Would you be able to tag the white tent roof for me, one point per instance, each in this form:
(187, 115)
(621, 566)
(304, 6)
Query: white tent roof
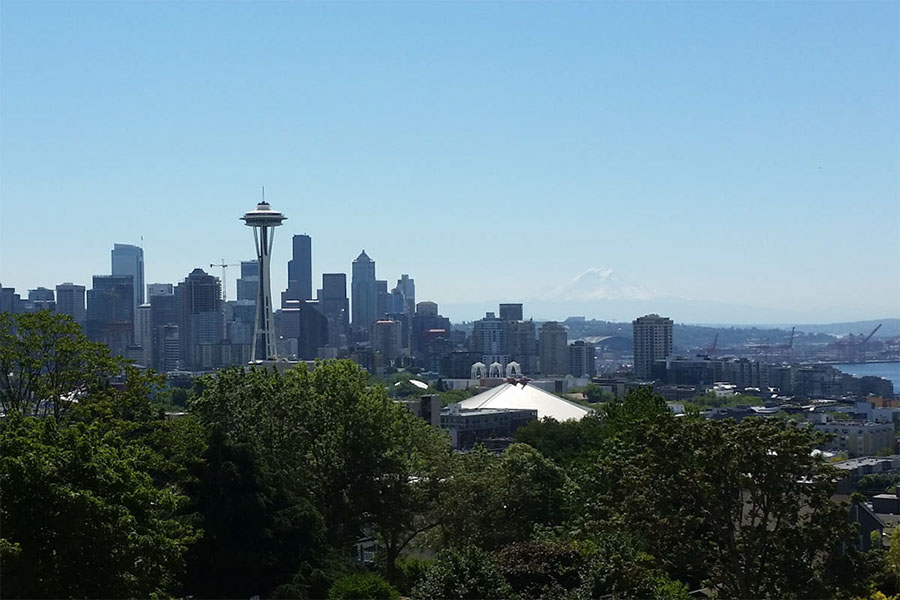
(517, 395)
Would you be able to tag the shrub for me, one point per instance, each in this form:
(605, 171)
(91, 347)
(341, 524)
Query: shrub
(362, 586)
(464, 574)
(410, 571)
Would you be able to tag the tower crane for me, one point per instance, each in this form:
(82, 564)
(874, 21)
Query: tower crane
(224, 266)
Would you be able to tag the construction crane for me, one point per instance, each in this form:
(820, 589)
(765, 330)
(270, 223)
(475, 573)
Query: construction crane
(224, 266)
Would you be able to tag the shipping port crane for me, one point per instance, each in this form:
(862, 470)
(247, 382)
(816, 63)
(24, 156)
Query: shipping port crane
(853, 347)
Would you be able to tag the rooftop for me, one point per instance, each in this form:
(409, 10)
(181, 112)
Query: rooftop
(524, 396)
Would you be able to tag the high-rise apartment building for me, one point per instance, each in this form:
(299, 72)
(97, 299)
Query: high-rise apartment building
(129, 260)
(581, 359)
(652, 342)
(110, 312)
(299, 270)
(70, 301)
(553, 349)
(489, 339)
(364, 293)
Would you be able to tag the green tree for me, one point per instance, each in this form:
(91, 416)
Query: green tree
(355, 451)
(80, 515)
(541, 569)
(491, 501)
(615, 568)
(746, 505)
(47, 364)
(256, 534)
(362, 586)
(404, 494)
(596, 394)
(462, 574)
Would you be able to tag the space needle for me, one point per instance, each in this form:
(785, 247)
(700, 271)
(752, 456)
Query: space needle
(263, 220)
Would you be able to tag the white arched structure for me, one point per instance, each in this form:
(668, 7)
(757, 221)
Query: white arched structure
(496, 370)
(479, 370)
(513, 369)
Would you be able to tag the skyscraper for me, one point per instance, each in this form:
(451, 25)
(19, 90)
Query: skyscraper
(201, 320)
(521, 340)
(425, 320)
(129, 260)
(10, 301)
(511, 312)
(364, 293)
(333, 303)
(70, 301)
(248, 283)
(41, 299)
(165, 348)
(299, 270)
(652, 342)
(406, 286)
(159, 289)
(304, 321)
(386, 339)
(110, 312)
(553, 349)
(143, 333)
(382, 298)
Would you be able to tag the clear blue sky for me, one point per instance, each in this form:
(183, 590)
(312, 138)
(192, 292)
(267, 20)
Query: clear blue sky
(745, 152)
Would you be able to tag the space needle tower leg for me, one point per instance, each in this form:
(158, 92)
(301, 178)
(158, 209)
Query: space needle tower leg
(263, 220)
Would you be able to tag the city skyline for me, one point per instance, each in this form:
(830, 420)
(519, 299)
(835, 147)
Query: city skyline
(743, 153)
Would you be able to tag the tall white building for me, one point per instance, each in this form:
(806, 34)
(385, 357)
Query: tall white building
(652, 342)
(129, 260)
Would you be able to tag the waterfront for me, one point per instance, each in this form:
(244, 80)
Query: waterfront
(888, 370)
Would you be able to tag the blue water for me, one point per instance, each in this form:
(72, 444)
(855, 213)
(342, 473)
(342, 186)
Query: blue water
(887, 370)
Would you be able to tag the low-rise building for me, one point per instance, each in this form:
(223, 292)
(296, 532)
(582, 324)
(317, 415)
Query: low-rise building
(468, 426)
(857, 438)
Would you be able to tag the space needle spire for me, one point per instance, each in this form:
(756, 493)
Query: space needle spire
(263, 220)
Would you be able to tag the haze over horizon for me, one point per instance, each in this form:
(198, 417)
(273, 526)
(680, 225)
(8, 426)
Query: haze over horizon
(737, 155)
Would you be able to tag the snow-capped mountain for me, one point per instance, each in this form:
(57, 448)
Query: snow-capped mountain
(599, 284)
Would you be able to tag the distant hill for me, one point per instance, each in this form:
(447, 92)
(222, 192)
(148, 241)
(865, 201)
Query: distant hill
(889, 328)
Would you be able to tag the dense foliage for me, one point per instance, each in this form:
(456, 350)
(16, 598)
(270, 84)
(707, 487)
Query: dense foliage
(269, 482)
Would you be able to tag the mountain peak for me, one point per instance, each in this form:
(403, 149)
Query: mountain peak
(599, 283)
